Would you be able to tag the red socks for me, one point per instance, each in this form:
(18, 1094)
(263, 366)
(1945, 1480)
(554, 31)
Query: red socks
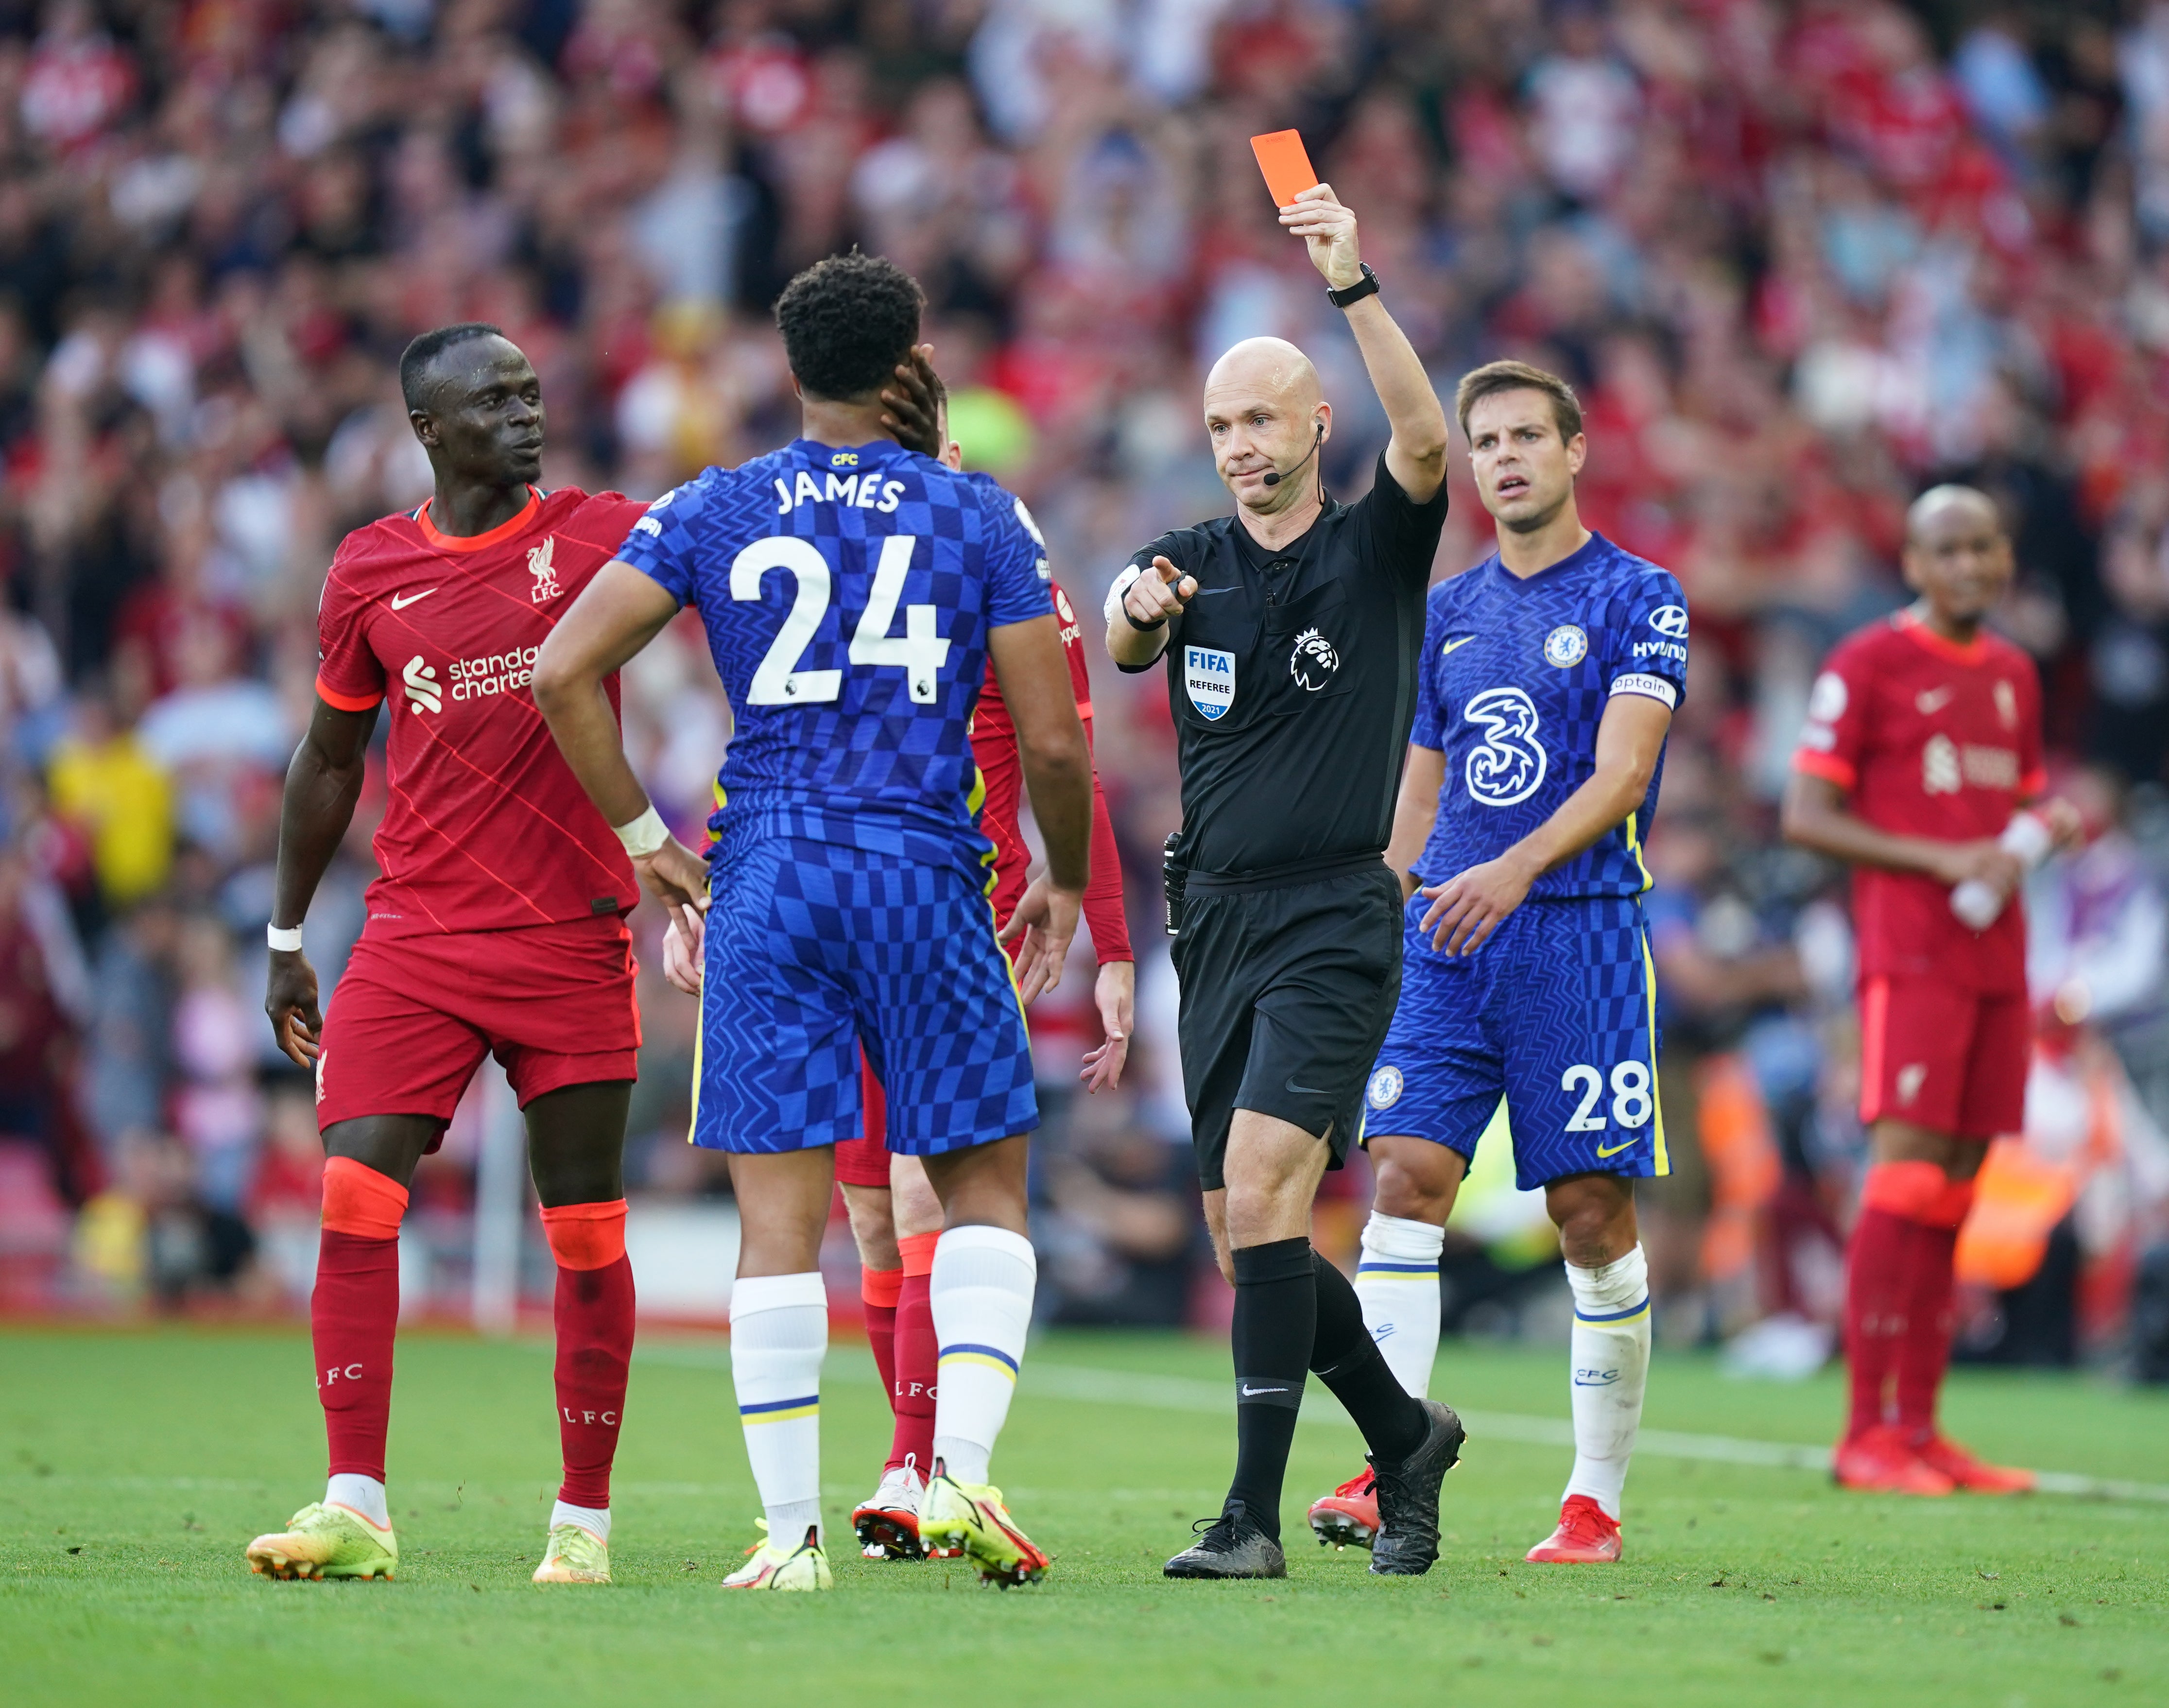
(911, 1390)
(354, 1312)
(1925, 1354)
(1898, 1297)
(878, 1290)
(594, 1308)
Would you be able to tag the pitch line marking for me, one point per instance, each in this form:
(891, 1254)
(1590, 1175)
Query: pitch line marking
(1097, 1386)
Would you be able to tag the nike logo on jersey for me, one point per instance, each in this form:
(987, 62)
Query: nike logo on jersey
(1305, 1091)
(1462, 641)
(1601, 1151)
(400, 602)
(1932, 700)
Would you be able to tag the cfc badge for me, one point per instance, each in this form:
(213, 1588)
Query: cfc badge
(1209, 676)
(1566, 646)
(1385, 1088)
(1314, 662)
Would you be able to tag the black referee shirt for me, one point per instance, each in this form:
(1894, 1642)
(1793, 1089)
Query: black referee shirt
(1292, 676)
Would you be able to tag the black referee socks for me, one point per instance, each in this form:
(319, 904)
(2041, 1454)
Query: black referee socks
(1348, 1361)
(1275, 1322)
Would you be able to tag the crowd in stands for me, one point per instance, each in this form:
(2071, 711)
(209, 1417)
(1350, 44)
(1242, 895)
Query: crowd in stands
(1801, 258)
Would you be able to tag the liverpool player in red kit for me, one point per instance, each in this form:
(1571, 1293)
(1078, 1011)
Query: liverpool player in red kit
(1923, 740)
(497, 926)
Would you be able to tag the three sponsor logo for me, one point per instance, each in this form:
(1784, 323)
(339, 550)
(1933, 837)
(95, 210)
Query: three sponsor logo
(1508, 766)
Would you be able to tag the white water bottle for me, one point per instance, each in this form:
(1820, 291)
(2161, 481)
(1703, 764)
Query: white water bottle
(1977, 905)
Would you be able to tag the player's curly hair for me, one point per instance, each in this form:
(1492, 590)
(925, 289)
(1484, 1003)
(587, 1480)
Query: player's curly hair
(1493, 377)
(846, 322)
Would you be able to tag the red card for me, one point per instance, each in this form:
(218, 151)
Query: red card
(1287, 168)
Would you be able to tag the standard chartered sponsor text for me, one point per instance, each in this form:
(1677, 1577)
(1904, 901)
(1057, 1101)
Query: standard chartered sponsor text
(492, 672)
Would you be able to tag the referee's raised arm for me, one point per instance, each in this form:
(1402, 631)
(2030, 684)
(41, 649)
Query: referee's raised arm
(1416, 455)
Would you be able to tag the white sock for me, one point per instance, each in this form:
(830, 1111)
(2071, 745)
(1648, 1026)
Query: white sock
(779, 1336)
(1610, 1358)
(981, 1291)
(361, 1494)
(1396, 1280)
(595, 1520)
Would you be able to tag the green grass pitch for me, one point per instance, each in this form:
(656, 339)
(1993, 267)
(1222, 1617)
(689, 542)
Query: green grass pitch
(135, 1466)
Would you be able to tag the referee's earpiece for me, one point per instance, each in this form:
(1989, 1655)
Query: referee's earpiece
(1279, 475)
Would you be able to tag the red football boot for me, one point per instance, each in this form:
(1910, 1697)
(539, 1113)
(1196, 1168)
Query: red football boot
(1967, 1472)
(1880, 1461)
(1586, 1536)
(1349, 1513)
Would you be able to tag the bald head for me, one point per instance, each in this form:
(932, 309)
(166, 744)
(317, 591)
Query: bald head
(1944, 507)
(1264, 412)
(1270, 366)
(1958, 557)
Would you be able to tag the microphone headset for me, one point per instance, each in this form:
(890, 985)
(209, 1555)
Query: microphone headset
(1279, 475)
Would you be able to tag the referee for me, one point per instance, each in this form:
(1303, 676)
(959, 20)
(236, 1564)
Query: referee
(1291, 631)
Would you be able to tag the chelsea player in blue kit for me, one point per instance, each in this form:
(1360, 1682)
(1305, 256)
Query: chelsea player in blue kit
(1549, 677)
(853, 592)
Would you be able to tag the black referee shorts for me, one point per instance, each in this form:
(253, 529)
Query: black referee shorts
(1287, 993)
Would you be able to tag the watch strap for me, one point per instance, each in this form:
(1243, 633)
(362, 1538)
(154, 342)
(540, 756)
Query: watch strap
(1367, 286)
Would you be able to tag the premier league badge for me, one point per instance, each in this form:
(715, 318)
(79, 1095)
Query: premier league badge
(1210, 677)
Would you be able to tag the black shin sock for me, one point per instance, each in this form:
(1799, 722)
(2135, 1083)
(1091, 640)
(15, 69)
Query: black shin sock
(1348, 1361)
(1276, 1321)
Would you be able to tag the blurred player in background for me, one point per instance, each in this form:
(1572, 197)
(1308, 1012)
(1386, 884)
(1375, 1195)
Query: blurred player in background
(896, 1218)
(496, 926)
(1923, 740)
(1550, 675)
(853, 593)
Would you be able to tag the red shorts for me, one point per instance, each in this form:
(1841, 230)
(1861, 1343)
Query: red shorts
(412, 1018)
(864, 1161)
(1950, 1060)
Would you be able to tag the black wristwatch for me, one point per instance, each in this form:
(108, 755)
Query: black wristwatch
(1367, 286)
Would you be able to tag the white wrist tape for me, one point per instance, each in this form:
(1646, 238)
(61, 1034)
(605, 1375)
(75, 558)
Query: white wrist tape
(1121, 586)
(645, 834)
(286, 941)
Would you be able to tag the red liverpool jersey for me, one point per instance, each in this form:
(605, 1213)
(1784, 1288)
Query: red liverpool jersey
(1929, 739)
(486, 828)
(994, 748)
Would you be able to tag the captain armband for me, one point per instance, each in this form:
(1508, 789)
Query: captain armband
(1654, 688)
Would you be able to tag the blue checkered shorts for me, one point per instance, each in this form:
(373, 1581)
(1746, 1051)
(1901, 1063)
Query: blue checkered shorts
(814, 949)
(1556, 1014)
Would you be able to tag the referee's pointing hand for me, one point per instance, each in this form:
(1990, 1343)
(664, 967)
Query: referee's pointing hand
(1161, 592)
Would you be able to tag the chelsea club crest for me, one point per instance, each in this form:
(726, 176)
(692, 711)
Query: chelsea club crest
(1565, 646)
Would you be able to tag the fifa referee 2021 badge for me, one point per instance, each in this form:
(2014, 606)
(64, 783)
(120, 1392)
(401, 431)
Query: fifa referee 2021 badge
(1291, 633)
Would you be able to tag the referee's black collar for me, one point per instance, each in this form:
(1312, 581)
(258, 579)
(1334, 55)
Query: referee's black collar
(1268, 562)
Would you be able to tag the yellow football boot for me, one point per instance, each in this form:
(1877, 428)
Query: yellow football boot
(968, 1518)
(770, 1567)
(575, 1555)
(326, 1541)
